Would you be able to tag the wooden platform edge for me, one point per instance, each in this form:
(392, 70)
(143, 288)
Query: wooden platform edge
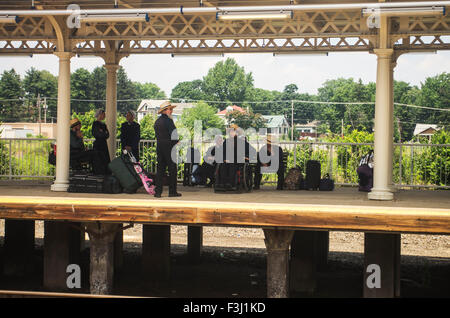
(296, 216)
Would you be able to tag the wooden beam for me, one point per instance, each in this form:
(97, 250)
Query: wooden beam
(309, 254)
(194, 243)
(384, 218)
(18, 247)
(383, 251)
(156, 252)
(61, 248)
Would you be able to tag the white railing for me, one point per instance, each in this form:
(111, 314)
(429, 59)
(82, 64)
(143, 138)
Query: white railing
(414, 165)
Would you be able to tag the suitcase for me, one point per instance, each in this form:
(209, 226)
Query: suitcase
(112, 185)
(313, 175)
(122, 168)
(86, 183)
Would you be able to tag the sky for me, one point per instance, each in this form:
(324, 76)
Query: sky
(269, 72)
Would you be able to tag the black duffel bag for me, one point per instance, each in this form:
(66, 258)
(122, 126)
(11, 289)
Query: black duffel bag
(112, 185)
(326, 184)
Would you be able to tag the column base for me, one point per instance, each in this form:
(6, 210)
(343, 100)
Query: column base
(59, 187)
(393, 189)
(380, 194)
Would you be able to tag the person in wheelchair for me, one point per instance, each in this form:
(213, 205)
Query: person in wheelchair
(79, 154)
(270, 159)
(192, 174)
(236, 153)
(207, 169)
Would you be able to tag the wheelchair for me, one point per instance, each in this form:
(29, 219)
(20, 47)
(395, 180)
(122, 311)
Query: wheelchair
(240, 178)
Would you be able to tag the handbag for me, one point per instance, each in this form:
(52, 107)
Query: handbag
(326, 184)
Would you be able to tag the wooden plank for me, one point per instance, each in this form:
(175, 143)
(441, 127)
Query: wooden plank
(306, 216)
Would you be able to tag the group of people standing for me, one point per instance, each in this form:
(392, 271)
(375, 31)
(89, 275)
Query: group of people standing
(99, 156)
(167, 138)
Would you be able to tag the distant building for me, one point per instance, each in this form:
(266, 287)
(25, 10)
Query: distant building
(21, 130)
(425, 130)
(308, 130)
(222, 113)
(276, 125)
(151, 106)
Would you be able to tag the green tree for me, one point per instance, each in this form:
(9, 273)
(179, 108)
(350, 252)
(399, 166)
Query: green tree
(149, 91)
(81, 90)
(190, 90)
(246, 120)
(126, 90)
(435, 92)
(227, 82)
(98, 87)
(11, 97)
(41, 83)
(205, 113)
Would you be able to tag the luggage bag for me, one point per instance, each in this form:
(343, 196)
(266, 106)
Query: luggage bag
(86, 183)
(122, 168)
(313, 175)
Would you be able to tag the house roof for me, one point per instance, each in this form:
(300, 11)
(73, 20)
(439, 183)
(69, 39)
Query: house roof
(275, 121)
(313, 123)
(156, 103)
(422, 129)
(235, 107)
(151, 103)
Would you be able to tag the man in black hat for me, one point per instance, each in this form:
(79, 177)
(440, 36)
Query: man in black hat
(164, 127)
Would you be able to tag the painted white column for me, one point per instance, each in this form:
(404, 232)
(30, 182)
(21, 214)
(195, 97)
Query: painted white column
(392, 187)
(111, 107)
(383, 139)
(62, 127)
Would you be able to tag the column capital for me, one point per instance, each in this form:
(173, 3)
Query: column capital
(384, 53)
(64, 55)
(111, 66)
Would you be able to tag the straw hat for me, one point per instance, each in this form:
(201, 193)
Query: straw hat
(74, 122)
(164, 106)
(269, 139)
(234, 126)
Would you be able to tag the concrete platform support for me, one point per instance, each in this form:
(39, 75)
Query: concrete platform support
(18, 247)
(194, 243)
(63, 117)
(309, 253)
(381, 265)
(156, 252)
(61, 247)
(277, 243)
(101, 266)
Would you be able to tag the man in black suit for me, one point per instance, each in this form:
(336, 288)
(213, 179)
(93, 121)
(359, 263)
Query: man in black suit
(164, 127)
(265, 156)
(130, 135)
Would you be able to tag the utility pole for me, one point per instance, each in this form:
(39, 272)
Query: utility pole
(292, 120)
(39, 110)
(45, 109)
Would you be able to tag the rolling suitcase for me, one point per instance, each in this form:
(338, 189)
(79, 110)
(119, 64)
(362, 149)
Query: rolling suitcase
(313, 175)
(122, 168)
(85, 183)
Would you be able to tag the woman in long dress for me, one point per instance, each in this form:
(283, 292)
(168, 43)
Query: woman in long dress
(101, 134)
